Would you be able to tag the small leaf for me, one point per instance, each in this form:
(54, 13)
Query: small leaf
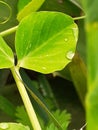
(52, 127)
(6, 55)
(13, 126)
(45, 41)
(63, 118)
(32, 6)
(22, 117)
(21, 4)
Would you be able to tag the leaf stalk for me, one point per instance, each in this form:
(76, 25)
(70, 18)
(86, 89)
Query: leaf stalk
(79, 18)
(26, 99)
(8, 31)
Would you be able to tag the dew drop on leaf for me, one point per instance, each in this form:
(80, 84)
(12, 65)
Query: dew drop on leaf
(66, 39)
(75, 33)
(70, 55)
(44, 68)
(4, 126)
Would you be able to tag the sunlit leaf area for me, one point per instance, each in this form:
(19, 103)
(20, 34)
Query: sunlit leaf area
(48, 65)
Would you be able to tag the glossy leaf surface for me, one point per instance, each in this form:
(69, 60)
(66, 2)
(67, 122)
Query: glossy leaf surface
(46, 41)
(6, 55)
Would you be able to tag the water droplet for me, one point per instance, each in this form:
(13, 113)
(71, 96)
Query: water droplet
(70, 55)
(47, 55)
(66, 39)
(4, 126)
(44, 68)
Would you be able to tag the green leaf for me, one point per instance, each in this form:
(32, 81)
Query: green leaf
(6, 55)
(32, 6)
(22, 4)
(52, 127)
(13, 126)
(46, 41)
(22, 117)
(63, 118)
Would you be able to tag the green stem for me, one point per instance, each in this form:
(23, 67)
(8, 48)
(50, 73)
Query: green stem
(78, 18)
(8, 31)
(25, 98)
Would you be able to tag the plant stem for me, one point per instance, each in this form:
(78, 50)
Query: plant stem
(8, 31)
(78, 18)
(25, 98)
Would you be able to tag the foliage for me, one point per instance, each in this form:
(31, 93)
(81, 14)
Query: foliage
(6, 55)
(45, 41)
(63, 119)
(49, 33)
(91, 23)
(21, 116)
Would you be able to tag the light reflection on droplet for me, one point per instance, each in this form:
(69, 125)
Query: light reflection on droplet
(70, 55)
(75, 33)
(47, 55)
(66, 39)
(44, 68)
(4, 126)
